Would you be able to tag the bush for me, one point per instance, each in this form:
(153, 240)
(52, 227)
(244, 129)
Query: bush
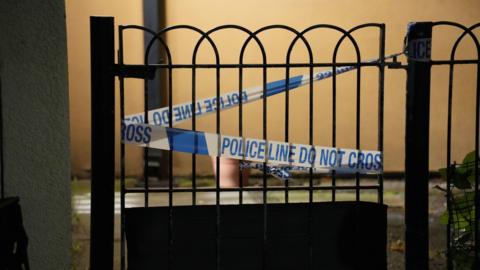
(461, 213)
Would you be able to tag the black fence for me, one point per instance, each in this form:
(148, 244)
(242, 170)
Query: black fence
(2, 176)
(461, 217)
(264, 235)
(463, 239)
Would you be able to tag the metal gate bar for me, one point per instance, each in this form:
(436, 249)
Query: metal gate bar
(148, 70)
(417, 151)
(102, 167)
(2, 162)
(418, 92)
(103, 143)
(451, 63)
(169, 67)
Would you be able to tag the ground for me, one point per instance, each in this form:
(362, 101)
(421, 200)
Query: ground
(393, 197)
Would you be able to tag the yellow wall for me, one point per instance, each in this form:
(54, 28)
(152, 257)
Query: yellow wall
(303, 13)
(78, 41)
(298, 14)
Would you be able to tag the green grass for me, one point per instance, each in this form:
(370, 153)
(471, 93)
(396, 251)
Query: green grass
(322, 196)
(83, 186)
(391, 196)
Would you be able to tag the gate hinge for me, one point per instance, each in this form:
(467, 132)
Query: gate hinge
(135, 71)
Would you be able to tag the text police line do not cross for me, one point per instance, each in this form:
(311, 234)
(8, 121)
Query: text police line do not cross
(256, 150)
(185, 111)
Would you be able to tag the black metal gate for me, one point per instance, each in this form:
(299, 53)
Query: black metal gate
(462, 184)
(265, 235)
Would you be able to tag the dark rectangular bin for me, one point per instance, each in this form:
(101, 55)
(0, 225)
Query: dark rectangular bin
(13, 239)
(340, 235)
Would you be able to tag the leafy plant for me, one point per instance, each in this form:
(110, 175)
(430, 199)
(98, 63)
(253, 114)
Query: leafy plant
(461, 214)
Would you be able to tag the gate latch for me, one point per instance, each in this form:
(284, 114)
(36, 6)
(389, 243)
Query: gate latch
(395, 64)
(135, 71)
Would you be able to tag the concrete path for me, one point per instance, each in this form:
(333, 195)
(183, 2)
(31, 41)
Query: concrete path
(393, 195)
(81, 203)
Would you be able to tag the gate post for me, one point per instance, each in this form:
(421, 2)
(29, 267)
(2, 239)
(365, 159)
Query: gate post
(103, 143)
(416, 145)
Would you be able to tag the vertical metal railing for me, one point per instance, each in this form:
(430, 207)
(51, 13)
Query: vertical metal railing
(452, 62)
(417, 146)
(121, 81)
(310, 186)
(102, 133)
(381, 96)
(310, 136)
(103, 142)
(417, 173)
(121, 78)
(2, 162)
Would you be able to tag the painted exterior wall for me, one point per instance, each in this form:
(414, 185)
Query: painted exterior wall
(78, 28)
(33, 71)
(298, 14)
(346, 14)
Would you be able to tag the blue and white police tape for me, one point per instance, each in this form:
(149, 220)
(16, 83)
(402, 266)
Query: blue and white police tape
(256, 150)
(285, 172)
(275, 171)
(185, 111)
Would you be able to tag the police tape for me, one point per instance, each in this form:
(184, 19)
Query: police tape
(185, 111)
(275, 171)
(254, 150)
(285, 172)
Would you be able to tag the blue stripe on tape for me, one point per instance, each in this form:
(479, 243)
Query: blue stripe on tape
(277, 87)
(256, 150)
(205, 106)
(187, 141)
(276, 171)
